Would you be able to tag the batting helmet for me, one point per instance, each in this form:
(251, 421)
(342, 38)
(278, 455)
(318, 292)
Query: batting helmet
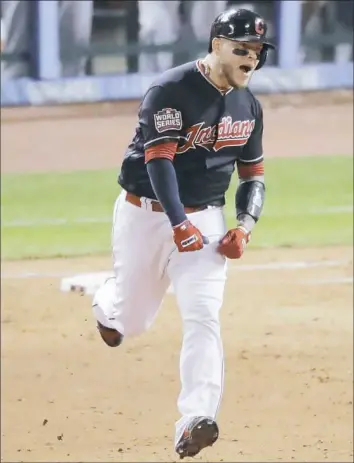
(242, 26)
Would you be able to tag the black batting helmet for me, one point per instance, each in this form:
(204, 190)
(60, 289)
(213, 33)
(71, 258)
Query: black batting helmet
(242, 26)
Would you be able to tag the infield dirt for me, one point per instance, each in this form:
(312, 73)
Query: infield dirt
(288, 334)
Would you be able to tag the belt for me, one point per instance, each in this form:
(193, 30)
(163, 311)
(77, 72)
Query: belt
(155, 206)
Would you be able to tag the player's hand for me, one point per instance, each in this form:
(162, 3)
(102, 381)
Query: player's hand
(234, 242)
(187, 237)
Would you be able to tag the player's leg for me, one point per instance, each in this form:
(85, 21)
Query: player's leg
(16, 16)
(198, 279)
(128, 304)
(167, 32)
(75, 35)
(102, 305)
(159, 25)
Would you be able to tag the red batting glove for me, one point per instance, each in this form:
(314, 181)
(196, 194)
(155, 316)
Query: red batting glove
(234, 242)
(187, 237)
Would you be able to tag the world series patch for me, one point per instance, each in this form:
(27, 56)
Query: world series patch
(168, 119)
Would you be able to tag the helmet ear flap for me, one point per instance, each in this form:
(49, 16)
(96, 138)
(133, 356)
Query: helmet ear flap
(210, 48)
(262, 58)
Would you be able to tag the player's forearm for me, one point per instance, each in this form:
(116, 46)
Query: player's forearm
(250, 197)
(164, 183)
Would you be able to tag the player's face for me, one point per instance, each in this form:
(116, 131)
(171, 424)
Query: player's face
(238, 60)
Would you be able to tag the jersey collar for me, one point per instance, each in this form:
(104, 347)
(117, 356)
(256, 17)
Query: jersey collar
(199, 66)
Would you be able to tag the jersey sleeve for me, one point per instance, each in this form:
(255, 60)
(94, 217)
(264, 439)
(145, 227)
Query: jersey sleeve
(160, 119)
(252, 152)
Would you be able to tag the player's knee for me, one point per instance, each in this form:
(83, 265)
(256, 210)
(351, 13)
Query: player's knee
(193, 324)
(110, 336)
(204, 311)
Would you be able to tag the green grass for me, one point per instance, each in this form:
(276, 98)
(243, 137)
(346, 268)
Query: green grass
(303, 208)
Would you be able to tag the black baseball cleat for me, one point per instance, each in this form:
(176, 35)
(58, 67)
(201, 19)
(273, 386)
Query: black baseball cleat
(200, 433)
(109, 335)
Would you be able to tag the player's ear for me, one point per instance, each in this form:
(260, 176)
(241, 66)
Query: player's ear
(216, 45)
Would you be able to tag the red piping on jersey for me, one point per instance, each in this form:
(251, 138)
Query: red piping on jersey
(250, 170)
(163, 150)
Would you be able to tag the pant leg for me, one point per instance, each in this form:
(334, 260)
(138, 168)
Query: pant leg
(16, 23)
(199, 279)
(159, 25)
(75, 35)
(130, 302)
(3, 34)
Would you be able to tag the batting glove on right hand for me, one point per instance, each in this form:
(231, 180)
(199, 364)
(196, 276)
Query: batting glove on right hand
(187, 237)
(234, 242)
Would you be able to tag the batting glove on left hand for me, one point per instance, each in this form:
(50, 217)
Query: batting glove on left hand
(234, 242)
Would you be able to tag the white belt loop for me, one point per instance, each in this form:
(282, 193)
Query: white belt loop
(146, 203)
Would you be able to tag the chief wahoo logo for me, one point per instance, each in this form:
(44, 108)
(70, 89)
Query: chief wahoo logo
(259, 26)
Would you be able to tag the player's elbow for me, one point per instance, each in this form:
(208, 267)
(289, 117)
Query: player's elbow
(162, 151)
(252, 178)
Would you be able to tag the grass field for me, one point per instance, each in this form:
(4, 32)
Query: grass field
(309, 203)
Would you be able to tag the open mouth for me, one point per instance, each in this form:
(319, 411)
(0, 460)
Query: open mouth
(245, 68)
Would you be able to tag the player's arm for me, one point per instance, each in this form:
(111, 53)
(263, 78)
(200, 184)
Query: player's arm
(161, 124)
(250, 193)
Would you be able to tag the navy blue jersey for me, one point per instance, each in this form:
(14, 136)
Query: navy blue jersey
(213, 130)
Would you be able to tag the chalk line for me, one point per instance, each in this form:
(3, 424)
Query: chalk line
(241, 268)
(329, 281)
(28, 275)
(53, 222)
(290, 265)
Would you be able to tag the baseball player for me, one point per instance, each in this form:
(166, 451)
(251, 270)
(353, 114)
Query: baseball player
(197, 123)
(160, 24)
(75, 24)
